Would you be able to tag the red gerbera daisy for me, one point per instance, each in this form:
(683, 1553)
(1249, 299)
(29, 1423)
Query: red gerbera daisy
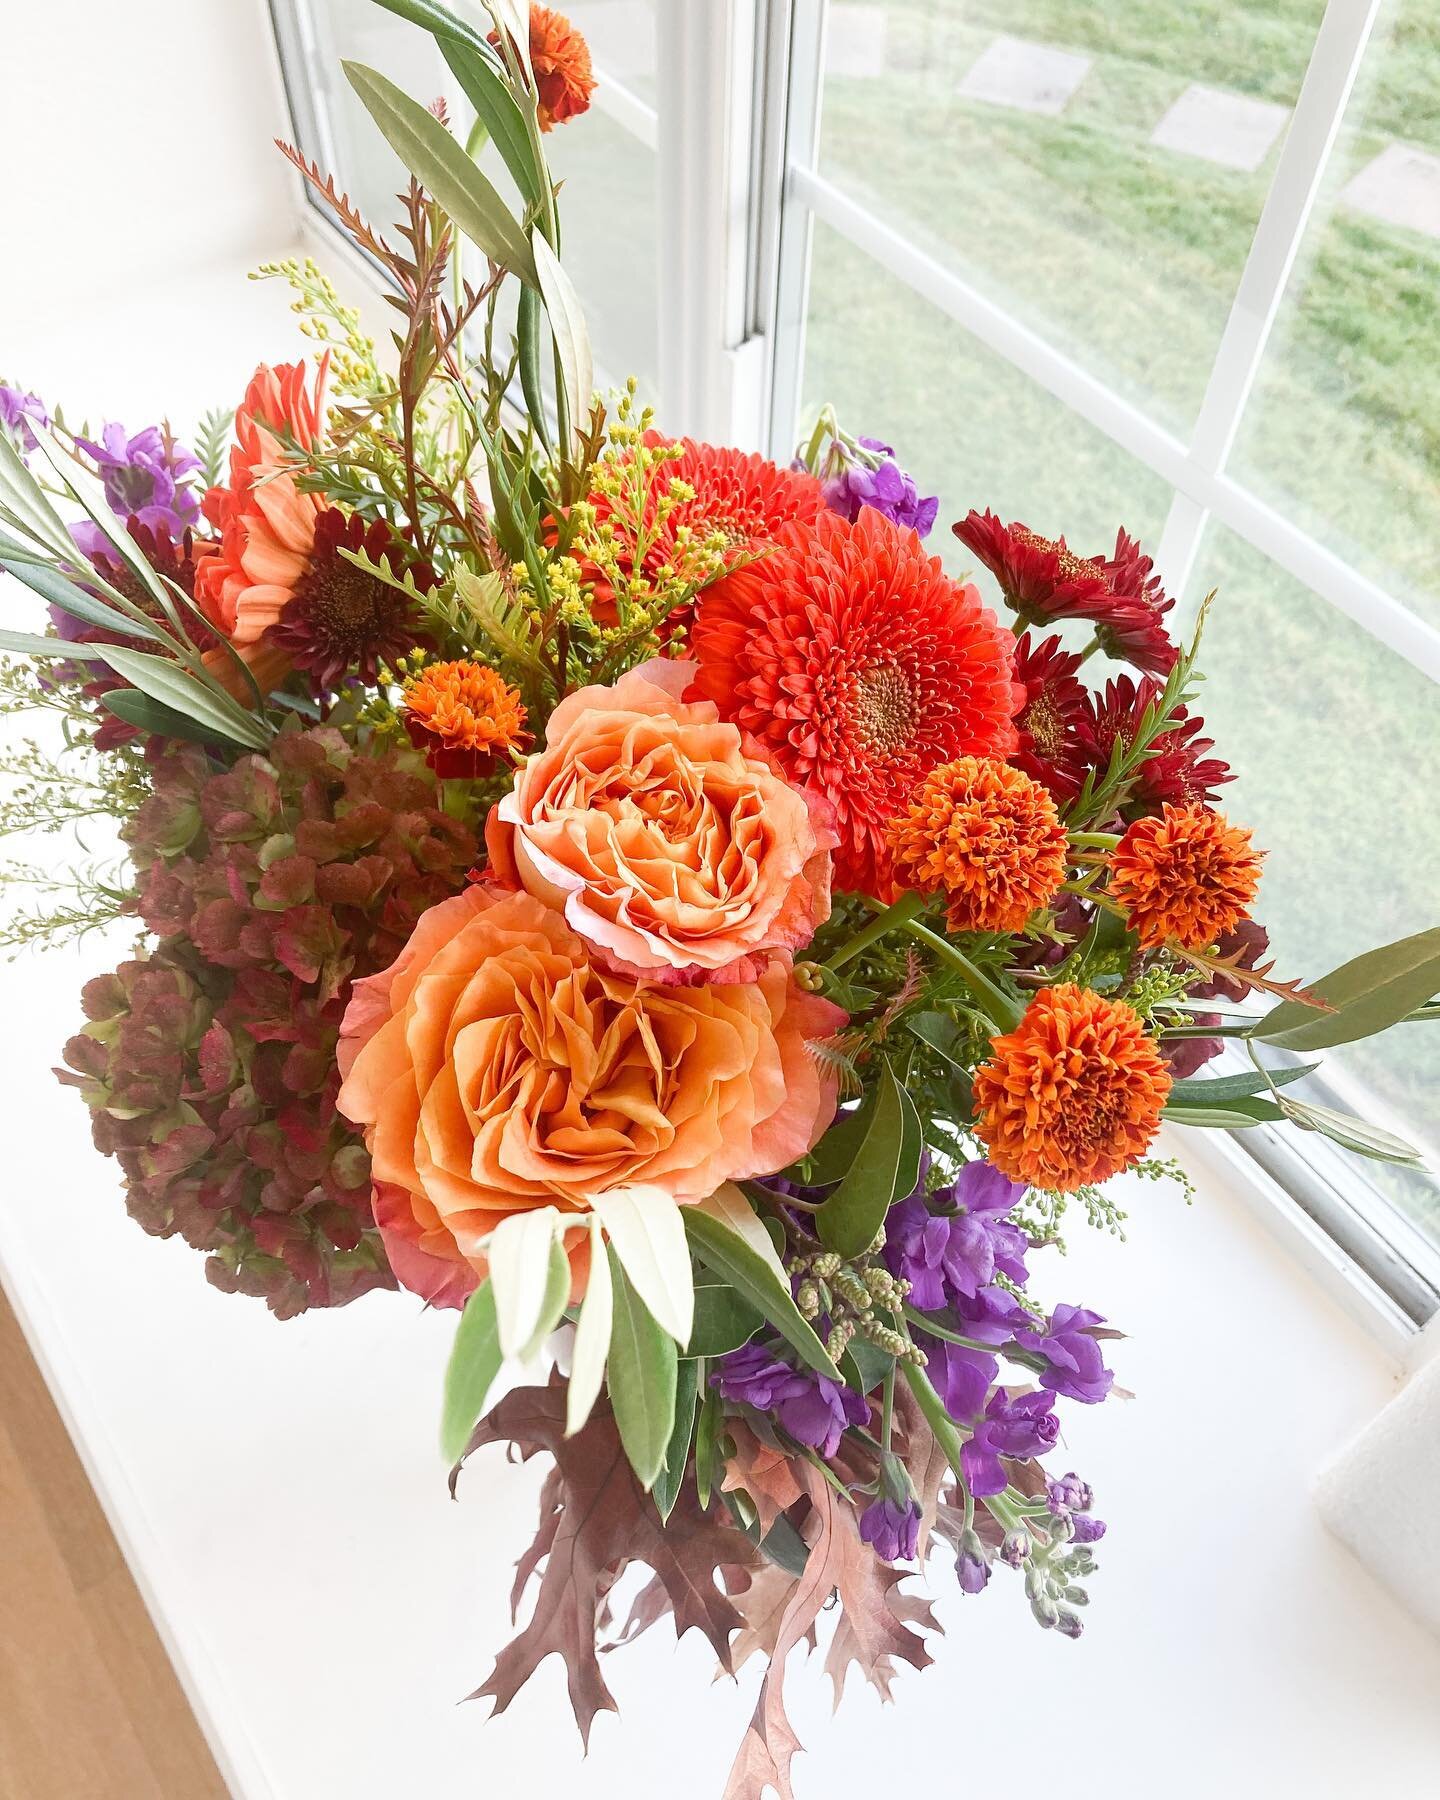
(860, 665)
(741, 494)
(1178, 770)
(1044, 580)
(340, 619)
(1049, 721)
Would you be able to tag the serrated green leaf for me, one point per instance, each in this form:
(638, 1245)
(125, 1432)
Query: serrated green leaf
(640, 1377)
(728, 1255)
(441, 166)
(677, 1452)
(1369, 994)
(885, 1169)
(475, 1361)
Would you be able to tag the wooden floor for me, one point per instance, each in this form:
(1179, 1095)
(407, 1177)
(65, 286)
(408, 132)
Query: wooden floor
(89, 1705)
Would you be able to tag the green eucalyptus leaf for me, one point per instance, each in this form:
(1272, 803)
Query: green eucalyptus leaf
(441, 166)
(158, 720)
(1234, 1115)
(183, 693)
(708, 1426)
(57, 590)
(557, 1294)
(677, 1452)
(727, 1255)
(31, 643)
(783, 1544)
(724, 1320)
(1196, 1091)
(1369, 994)
(475, 1359)
(885, 1169)
(1352, 1134)
(641, 1377)
(527, 341)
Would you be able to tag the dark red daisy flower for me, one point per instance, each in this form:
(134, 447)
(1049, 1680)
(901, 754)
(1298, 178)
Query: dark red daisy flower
(860, 666)
(1179, 768)
(340, 619)
(1049, 722)
(1045, 580)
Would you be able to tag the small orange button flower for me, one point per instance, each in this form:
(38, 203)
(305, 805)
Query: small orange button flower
(1188, 875)
(1073, 1095)
(463, 716)
(985, 835)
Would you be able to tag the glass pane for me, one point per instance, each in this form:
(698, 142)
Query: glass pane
(968, 425)
(621, 36)
(1096, 166)
(1341, 432)
(608, 208)
(1337, 759)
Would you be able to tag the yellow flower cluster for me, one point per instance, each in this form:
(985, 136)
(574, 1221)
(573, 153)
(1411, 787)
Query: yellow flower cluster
(354, 372)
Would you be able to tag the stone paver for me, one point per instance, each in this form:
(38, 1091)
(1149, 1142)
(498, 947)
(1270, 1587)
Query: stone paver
(1034, 78)
(1402, 187)
(1230, 129)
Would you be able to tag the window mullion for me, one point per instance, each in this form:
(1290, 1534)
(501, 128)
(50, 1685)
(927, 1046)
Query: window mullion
(1319, 110)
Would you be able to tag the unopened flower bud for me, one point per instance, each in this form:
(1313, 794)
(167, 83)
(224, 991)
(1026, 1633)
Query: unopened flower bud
(1068, 1624)
(1045, 1611)
(807, 1298)
(1016, 1548)
(825, 1265)
(970, 1565)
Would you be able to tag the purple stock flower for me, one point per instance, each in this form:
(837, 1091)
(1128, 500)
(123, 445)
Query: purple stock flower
(953, 1243)
(812, 1408)
(1069, 1493)
(893, 1528)
(971, 1565)
(960, 1376)
(16, 407)
(144, 478)
(1085, 1529)
(1076, 1365)
(1024, 1425)
(870, 476)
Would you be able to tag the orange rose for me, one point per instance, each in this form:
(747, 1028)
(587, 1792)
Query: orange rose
(670, 845)
(496, 1069)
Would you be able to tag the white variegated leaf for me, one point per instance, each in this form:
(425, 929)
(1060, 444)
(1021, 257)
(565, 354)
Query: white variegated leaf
(645, 1228)
(519, 1257)
(729, 1205)
(592, 1337)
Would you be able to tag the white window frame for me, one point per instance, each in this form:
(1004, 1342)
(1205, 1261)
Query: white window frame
(736, 147)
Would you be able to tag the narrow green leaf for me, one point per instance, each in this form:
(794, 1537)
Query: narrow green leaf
(28, 505)
(441, 166)
(1369, 994)
(1196, 1091)
(30, 643)
(641, 1377)
(527, 343)
(158, 720)
(1234, 1115)
(724, 1320)
(475, 1359)
(568, 328)
(56, 590)
(1352, 1134)
(592, 1337)
(677, 1452)
(837, 1150)
(885, 1169)
(727, 1254)
(183, 693)
(707, 1443)
(557, 1296)
(864, 1365)
(495, 107)
(783, 1544)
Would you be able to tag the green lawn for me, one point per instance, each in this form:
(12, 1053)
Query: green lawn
(1127, 257)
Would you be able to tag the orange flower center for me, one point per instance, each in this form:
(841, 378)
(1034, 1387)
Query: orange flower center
(885, 707)
(1070, 565)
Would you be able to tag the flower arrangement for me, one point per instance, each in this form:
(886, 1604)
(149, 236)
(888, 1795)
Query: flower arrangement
(630, 892)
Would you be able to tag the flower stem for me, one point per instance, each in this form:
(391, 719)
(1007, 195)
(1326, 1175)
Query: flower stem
(1001, 1009)
(887, 1407)
(1100, 840)
(951, 1337)
(936, 1417)
(889, 919)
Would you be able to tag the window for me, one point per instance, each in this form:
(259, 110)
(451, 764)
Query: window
(1088, 262)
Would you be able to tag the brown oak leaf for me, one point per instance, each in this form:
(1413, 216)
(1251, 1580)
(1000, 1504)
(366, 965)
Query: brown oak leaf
(596, 1518)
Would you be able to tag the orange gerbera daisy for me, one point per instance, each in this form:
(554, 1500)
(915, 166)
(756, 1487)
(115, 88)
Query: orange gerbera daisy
(560, 57)
(859, 665)
(986, 836)
(267, 525)
(1188, 875)
(1074, 1094)
(463, 716)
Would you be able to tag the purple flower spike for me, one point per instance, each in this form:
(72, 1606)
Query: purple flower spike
(1076, 1364)
(145, 477)
(893, 1529)
(812, 1408)
(1023, 1426)
(16, 407)
(866, 473)
(952, 1245)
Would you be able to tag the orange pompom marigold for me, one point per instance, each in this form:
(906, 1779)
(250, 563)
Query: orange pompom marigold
(463, 716)
(1188, 876)
(1073, 1095)
(987, 837)
(560, 58)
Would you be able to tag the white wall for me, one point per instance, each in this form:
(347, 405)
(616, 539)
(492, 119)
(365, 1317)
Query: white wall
(278, 1484)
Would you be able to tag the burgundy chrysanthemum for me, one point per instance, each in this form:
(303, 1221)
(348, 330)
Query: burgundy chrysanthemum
(1179, 768)
(341, 620)
(859, 665)
(1054, 710)
(1045, 580)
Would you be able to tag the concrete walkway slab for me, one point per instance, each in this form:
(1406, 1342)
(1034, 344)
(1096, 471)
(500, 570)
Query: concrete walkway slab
(1220, 127)
(1035, 78)
(1402, 187)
